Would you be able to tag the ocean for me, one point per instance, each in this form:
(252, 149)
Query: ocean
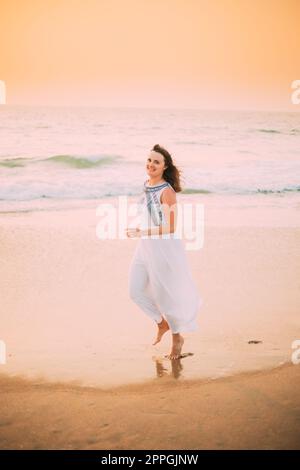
(54, 157)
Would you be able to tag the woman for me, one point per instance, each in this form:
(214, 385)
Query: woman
(160, 280)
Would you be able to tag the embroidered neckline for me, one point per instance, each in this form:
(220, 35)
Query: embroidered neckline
(157, 186)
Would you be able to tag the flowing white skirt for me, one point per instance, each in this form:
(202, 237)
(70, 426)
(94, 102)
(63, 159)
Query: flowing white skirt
(167, 284)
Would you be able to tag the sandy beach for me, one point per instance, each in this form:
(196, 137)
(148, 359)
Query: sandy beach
(257, 410)
(79, 354)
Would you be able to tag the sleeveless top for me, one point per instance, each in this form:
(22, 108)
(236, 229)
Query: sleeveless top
(150, 206)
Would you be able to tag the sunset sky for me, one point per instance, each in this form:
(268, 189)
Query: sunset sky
(220, 54)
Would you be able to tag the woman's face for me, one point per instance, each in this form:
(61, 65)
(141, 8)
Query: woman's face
(155, 164)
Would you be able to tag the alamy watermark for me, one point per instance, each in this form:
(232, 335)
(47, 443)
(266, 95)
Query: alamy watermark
(296, 354)
(295, 97)
(115, 220)
(2, 352)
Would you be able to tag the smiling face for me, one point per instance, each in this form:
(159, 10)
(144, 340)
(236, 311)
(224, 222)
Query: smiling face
(155, 164)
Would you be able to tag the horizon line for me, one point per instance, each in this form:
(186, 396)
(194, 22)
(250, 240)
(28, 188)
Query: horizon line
(3, 105)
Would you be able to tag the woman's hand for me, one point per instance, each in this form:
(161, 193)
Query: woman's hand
(133, 232)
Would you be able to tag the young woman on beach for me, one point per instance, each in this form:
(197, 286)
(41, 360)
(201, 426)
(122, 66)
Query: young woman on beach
(160, 281)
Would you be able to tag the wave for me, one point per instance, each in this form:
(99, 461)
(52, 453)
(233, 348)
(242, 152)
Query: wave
(186, 142)
(281, 191)
(269, 131)
(74, 191)
(82, 162)
(13, 162)
(236, 191)
(72, 161)
(295, 131)
(195, 191)
(241, 191)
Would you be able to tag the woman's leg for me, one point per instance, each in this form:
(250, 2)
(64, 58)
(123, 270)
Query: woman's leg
(177, 343)
(138, 281)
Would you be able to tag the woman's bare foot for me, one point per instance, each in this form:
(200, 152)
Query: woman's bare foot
(178, 341)
(163, 326)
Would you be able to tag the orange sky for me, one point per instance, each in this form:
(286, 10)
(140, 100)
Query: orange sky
(165, 53)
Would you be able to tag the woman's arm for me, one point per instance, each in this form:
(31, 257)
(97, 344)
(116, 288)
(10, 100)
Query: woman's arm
(169, 206)
(168, 200)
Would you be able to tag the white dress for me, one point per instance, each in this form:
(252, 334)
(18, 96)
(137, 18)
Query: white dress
(160, 280)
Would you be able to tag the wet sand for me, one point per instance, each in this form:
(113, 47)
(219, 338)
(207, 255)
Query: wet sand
(257, 410)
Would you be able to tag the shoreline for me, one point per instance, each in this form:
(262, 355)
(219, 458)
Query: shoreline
(242, 210)
(153, 382)
(249, 410)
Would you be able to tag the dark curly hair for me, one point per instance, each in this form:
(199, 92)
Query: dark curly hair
(171, 174)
